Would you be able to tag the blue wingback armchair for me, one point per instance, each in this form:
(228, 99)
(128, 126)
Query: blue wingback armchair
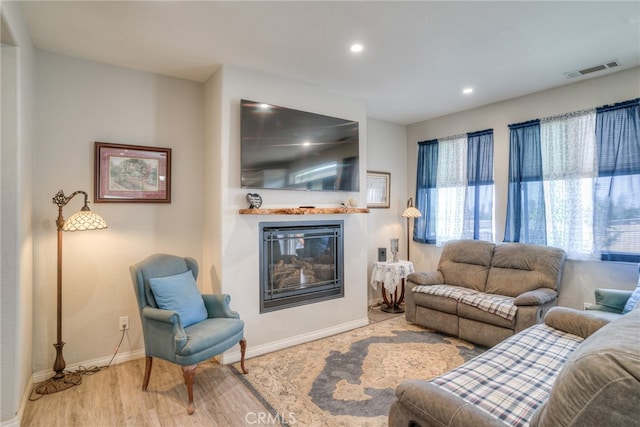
(178, 323)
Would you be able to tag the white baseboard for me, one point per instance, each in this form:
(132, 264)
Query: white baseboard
(102, 361)
(226, 358)
(17, 420)
(234, 355)
(13, 422)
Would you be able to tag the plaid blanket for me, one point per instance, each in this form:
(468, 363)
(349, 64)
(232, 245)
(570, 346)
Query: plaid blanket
(448, 291)
(495, 304)
(511, 380)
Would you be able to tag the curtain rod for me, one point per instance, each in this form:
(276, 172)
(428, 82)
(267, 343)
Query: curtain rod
(576, 113)
(568, 115)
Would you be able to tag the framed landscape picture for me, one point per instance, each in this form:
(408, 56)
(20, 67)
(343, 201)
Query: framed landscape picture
(378, 185)
(132, 173)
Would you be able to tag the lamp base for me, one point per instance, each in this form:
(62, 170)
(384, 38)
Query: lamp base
(54, 385)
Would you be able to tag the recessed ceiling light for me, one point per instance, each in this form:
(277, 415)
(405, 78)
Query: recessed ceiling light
(356, 47)
(467, 90)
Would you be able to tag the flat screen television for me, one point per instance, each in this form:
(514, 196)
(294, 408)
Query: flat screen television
(288, 149)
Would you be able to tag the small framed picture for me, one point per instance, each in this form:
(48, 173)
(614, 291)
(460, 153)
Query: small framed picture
(132, 173)
(378, 189)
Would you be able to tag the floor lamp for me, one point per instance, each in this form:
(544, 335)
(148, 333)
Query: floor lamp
(410, 212)
(80, 221)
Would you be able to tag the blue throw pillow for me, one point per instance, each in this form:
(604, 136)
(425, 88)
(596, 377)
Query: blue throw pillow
(633, 300)
(180, 293)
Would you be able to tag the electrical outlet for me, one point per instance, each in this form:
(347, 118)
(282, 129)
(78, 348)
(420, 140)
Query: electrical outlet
(124, 323)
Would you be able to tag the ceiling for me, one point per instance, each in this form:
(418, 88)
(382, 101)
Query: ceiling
(417, 57)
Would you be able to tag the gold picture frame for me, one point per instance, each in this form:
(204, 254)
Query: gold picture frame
(378, 189)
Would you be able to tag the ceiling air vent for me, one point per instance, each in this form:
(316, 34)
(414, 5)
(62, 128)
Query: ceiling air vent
(585, 71)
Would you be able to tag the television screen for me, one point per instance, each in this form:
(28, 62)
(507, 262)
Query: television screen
(289, 149)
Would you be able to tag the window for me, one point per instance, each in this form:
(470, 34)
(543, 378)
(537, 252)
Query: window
(574, 183)
(454, 188)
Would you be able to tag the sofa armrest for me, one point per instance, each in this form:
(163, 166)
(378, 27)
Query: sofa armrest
(611, 300)
(426, 278)
(218, 306)
(536, 297)
(576, 322)
(160, 315)
(166, 325)
(436, 406)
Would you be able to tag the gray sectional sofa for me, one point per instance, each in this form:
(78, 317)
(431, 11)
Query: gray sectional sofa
(574, 369)
(484, 292)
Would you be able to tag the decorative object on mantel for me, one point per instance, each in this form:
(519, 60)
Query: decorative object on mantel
(410, 212)
(351, 203)
(132, 173)
(394, 249)
(80, 221)
(303, 211)
(378, 189)
(255, 201)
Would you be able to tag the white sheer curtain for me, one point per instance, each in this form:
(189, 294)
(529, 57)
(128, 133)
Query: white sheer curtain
(569, 169)
(451, 187)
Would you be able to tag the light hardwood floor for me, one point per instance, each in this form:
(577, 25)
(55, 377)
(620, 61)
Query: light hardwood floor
(113, 397)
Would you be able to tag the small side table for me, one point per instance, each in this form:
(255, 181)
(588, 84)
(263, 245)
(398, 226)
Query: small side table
(391, 275)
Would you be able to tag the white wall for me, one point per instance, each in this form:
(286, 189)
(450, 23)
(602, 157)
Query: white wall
(234, 237)
(80, 102)
(387, 152)
(580, 277)
(16, 207)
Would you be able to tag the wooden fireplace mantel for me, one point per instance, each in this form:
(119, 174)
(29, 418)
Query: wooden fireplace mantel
(303, 211)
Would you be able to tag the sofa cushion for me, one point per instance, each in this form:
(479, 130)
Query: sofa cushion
(499, 305)
(517, 268)
(483, 317)
(436, 302)
(447, 291)
(466, 263)
(591, 384)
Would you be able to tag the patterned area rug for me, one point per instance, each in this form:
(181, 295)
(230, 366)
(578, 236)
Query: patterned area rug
(350, 379)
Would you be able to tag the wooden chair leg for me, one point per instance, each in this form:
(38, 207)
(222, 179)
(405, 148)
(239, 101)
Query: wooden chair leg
(243, 349)
(189, 372)
(148, 364)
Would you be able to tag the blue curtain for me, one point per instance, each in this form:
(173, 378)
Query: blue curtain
(478, 217)
(424, 229)
(617, 192)
(525, 199)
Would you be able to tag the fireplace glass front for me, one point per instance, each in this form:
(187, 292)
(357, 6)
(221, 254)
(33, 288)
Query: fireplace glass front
(300, 263)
